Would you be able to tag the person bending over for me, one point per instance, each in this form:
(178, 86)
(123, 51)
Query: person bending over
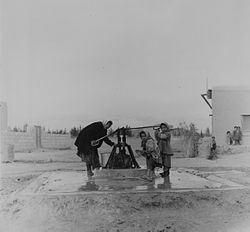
(86, 150)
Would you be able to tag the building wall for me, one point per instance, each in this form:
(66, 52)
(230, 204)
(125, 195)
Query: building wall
(228, 103)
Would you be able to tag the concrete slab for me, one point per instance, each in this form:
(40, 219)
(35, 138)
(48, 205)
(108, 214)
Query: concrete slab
(231, 178)
(120, 181)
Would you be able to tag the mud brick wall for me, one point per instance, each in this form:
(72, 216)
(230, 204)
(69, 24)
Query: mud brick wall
(56, 141)
(27, 141)
(22, 141)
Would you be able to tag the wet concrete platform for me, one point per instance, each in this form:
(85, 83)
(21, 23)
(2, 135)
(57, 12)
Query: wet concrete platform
(129, 181)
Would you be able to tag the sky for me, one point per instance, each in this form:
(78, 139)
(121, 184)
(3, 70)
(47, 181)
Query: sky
(66, 63)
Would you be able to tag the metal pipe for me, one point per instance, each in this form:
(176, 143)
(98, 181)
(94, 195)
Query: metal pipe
(203, 96)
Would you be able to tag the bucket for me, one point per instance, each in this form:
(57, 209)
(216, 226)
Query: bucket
(7, 153)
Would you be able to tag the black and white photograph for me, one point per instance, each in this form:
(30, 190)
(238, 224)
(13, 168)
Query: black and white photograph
(124, 116)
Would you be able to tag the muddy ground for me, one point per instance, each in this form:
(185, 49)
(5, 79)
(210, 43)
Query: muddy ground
(213, 210)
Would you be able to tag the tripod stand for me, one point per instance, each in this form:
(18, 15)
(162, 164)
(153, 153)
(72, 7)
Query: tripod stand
(121, 159)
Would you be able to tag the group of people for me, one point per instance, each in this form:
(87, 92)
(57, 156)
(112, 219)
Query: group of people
(158, 154)
(157, 151)
(235, 137)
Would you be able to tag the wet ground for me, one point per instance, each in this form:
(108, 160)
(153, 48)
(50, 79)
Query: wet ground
(133, 180)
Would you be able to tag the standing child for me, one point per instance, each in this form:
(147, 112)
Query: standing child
(235, 135)
(163, 137)
(149, 150)
(238, 135)
(229, 138)
(213, 146)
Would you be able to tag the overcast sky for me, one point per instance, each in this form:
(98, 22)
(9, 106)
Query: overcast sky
(71, 62)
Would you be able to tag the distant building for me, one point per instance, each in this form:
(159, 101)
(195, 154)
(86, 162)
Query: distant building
(230, 107)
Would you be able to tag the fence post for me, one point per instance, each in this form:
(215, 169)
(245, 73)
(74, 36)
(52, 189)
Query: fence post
(6, 150)
(38, 136)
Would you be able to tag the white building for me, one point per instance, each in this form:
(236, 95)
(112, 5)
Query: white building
(230, 107)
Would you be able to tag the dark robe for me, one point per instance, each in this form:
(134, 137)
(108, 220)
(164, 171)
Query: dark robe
(165, 148)
(164, 143)
(86, 151)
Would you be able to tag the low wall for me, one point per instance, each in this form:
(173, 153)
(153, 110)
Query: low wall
(22, 141)
(57, 141)
(27, 141)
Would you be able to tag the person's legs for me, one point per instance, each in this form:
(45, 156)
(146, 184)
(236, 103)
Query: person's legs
(89, 170)
(87, 159)
(152, 173)
(168, 165)
(166, 171)
(149, 175)
(95, 159)
(163, 163)
(166, 160)
(214, 154)
(149, 166)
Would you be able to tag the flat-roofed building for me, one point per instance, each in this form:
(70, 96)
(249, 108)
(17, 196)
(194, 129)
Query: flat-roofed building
(230, 107)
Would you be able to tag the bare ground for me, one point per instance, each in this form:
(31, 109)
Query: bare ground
(221, 210)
